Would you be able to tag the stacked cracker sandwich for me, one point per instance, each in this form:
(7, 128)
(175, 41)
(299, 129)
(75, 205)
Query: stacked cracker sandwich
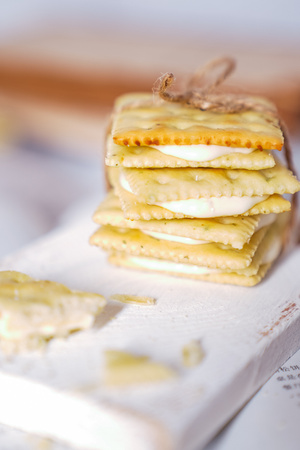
(195, 193)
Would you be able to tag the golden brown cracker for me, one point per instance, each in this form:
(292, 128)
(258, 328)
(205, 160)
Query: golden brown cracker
(139, 121)
(147, 157)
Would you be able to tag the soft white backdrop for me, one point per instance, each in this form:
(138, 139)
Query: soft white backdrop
(276, 21)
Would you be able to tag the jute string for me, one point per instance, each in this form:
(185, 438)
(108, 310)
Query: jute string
(202, 93)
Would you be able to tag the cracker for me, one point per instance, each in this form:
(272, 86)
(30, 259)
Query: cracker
(134, 210)
(133, 299)
(32, 312)
(234, 231)
(249, 276)
(123, 260)
(166, 185)
(192, 354)
(147, 157)
(213, 255)
(13, 276)
(124, 369)
(140, 122)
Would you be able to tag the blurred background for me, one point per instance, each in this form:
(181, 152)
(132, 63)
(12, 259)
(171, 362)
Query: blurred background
(63, 62)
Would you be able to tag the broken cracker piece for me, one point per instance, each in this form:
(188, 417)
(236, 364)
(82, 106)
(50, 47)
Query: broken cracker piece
(32, 312)
(192, 354)
(133, 299)
(13, 276)
(123, 369)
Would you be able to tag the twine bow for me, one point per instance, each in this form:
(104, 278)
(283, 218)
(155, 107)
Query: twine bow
(203, 94)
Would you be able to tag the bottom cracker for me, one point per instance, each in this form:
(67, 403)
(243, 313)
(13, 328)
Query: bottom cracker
(123, 260)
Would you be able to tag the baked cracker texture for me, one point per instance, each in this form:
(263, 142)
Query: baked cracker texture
(234, 231)
(149, 157)
(135, 242)
(161, 185)
(224, 243)
(141, 121)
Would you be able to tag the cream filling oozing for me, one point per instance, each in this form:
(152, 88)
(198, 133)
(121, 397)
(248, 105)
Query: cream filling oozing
(174, 238)
(170, 266)
(264, 220)
(199, 152)
(204, 208)
(273, 251)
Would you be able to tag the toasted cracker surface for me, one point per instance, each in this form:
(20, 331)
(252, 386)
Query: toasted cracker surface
(139, 121)
(234, 231)
(213, 255)
(147, 157)
(163, 185)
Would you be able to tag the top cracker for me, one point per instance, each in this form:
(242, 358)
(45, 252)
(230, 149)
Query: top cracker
(141, 121)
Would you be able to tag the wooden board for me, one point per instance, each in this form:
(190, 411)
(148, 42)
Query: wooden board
(246, 333)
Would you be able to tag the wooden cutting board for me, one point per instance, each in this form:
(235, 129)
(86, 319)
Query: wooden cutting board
(246, 334)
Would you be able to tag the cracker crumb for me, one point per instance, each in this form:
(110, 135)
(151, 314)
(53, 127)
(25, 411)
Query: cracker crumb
(133, 299)
(34, 311)
(192, 354)
(124, 369)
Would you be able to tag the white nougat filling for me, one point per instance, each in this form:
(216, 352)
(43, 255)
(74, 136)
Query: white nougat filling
(170, 266)
(174, 238)
(204, 208)
(201, 152)
(264, 220)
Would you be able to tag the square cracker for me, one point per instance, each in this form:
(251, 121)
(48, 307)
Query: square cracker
(234, 231)
(166, 185)
(123, 260)
(249, 276)
(149, 157)
(139, 120)
(135, 210)
(213, 255)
